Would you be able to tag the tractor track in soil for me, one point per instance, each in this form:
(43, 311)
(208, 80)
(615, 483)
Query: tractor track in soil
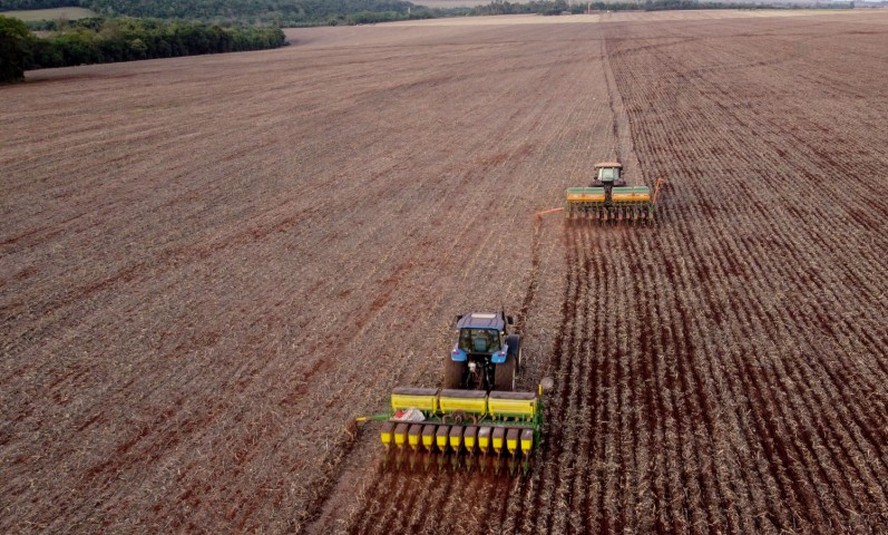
(384, 499)
(380, 491)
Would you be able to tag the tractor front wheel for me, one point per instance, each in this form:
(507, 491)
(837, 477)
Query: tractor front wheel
(454, 374)
(504, 375)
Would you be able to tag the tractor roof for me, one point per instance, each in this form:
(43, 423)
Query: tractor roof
(608, 164)
(482, 320)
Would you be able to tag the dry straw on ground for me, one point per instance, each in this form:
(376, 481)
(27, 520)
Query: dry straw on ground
(210, 265)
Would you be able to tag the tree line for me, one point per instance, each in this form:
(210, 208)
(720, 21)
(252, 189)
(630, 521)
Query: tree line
(284, 13)
(105, 40)
(295, 13)
(142, 29)
(556, 7)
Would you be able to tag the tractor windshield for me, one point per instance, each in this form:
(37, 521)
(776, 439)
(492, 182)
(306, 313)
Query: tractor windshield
(479, 340)
(608, 174)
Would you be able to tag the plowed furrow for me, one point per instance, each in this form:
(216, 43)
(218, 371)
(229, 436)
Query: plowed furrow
(563, 359)
(432, 497)
(805, 459)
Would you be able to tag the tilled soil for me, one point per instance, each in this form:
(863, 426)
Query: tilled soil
(209, 266)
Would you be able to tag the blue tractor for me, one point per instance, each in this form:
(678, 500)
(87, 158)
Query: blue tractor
(486, 356)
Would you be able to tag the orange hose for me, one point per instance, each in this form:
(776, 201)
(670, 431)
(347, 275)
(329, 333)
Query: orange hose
(550, 211)
(657, 190)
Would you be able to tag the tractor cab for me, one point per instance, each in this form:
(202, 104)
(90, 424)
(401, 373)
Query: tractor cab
(483, 344)
(608, 173)
(480, 340)
(481, 333)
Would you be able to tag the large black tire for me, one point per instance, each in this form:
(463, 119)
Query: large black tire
(454, 374)
(504, 375)
(514, 343)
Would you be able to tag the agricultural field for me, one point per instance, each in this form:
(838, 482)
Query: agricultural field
(446, 4)
(65, 13)
(209, 266)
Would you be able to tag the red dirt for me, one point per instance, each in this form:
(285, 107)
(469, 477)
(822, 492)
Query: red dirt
(209, 266)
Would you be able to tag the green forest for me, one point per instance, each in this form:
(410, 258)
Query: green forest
(284, 13)
(105, 40)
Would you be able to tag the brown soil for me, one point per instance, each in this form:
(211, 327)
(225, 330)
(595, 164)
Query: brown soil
(209, 266)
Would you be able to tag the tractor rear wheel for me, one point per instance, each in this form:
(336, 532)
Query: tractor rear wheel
(454, 374)
(514, 343)
(504, 375)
